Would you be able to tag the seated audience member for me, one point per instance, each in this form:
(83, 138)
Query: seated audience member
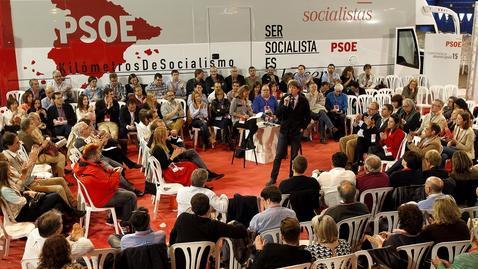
(107, 114)
(450, 106)
(410, 91)
(173, 112)
(30, 136)
(435, 116)
(301, 77)
(433, 190)
(367, 135)
(152, 104)
(255, 91)
(177, 85)
(390, 140)
(465, 176)
(56, 253)
(61, 116)
(397, 103)
(284, 82)
(274, 212)
(142, 234)
(200, 227)
(133, 81)
(84, 110)
(58, 84)
(198, 111)
(198, 88)
(18, 202)
(12, 116)
(430, 141)
(410, 117)
(461, 105)
(373, 177)
(431, 165)
(119, 90)
(275, 91)
(157, 87)
(336, 104)
(270, 76)
(220, 115)
(347, 78)
(463, 138)
(48, 225)
(139, 97)
(93, 92)
(348, 206)
(47, 101)
(326, 242)
(35, 89)
(386, 112)
(212, 79)
(409, 232)
(234, 92)
(199, 178)
(265, 102)
(145, 119)
(272, 255)
(366, 79)
(191, 85)
(411, 173)
(446, 223)
(241, 111)
(27, 101)
(329, 180)
(102, 183)
(173, 171)
(252, 78)
(331, 77)
(128, 116)
(41, 113)
(304, 191)
(464, 260)
(234, 76)
(318, 112)
(216, 89)
(354, 89)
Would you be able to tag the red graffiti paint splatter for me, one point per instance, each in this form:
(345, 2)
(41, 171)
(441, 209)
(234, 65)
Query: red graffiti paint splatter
(33, 70)
(148, 52)
(136, 53)
(25, 68)
(43, 81)
(33, 62)
(71, 57)
(84, 85)
(156, 50)
(40, 74)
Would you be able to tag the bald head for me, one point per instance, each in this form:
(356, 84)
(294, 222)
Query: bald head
(373, 163)
(434, 185)
(347, 191)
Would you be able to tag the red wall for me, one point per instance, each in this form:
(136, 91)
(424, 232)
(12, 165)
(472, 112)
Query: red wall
(8, 62)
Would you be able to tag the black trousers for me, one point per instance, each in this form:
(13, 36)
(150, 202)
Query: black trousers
(48, 202)
(284, 140)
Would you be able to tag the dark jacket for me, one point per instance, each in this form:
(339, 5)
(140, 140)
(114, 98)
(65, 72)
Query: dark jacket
(242, 208)
(149, 256)
(70, 115)
(101, 111)
(266, 79)
(220, 111)
(412, 121)
(190, 85)
(125, 119)
(293, 119)
(278, 255)
(406, 177)
(210, 84)
(304, 195)
(228, 80)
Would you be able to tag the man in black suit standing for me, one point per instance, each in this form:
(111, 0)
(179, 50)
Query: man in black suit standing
(294, 114)
(61, 116)
(129, 114)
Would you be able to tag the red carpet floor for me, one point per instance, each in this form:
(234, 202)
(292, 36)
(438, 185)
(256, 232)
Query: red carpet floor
(248, 181)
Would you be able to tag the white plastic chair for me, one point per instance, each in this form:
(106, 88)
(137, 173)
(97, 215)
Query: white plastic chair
(406, 79)
(454, 249)
(372, 92)
(90, 207)
(307, 226)
(75, 156)
(383, 99)
(193, 253)
(422, 80)
(356, 229)
(15, 94)
(390, 216)
(273, 234)
(471, 105)
(378, 197)
(285, 202)
(74, 106)
(438, 92)
(377, 80)
(298, 266)
(449, 90)
(233, 263)
(30, 263)
(352, 110)
(385, 91)
(339, 262)
(415, 253)
(195, 136)
(11, 229)
(424, 97)
(472, 211)
(96, 258)
(162, 188)
(363, 101)
(393, 81)
(121, 104)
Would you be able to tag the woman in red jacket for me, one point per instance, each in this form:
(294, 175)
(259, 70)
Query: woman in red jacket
(102, 183)
(391, 139)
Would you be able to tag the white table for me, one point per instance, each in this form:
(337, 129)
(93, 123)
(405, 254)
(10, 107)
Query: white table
(265, 140)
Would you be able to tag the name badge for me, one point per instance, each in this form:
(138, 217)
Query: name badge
(374, 137)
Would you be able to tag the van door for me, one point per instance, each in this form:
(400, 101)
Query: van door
(230, 36)
(407, 54)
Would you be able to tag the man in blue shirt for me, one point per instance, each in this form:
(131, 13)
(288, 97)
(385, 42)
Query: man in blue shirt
(433, 189)
(330, 76)
(336, 104)
(264, 102)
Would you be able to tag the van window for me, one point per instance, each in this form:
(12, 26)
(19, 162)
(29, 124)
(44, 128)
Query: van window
(407, 49)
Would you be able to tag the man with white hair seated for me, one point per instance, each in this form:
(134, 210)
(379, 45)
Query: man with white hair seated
(433, 189)
(373, 177)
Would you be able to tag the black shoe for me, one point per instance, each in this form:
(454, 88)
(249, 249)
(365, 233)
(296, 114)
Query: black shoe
(138, 193)
(133, 165)
(78, 213)
(271, 182)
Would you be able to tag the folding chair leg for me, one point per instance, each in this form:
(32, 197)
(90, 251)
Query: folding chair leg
(255, 156)
(87, 222)
(244, 160)
(157, 197)
(7, 247)
(115, 220)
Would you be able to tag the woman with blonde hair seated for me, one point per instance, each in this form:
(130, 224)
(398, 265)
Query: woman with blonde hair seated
(326, 239)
